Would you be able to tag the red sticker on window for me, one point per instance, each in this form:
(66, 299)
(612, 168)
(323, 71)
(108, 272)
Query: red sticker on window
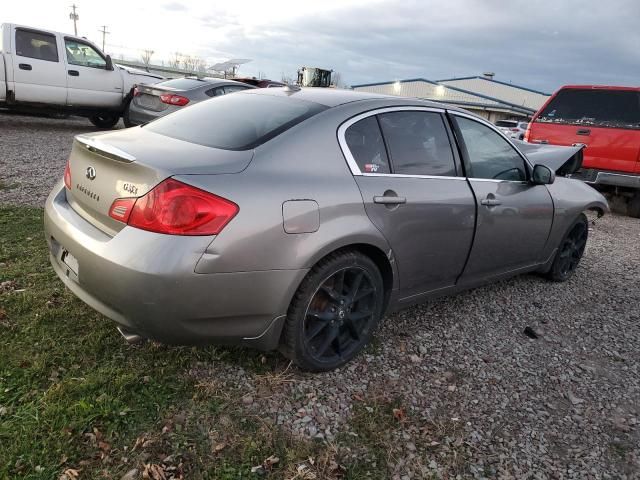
(371, 167)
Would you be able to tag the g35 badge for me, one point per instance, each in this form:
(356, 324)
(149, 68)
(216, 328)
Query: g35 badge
(130, 188)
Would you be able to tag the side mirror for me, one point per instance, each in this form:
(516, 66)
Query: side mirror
(109, 65)
(543, 175)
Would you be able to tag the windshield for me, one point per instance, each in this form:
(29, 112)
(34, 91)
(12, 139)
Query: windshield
(235, 122)
(604, 108)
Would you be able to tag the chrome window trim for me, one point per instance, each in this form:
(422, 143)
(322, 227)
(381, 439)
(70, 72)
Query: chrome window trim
(351, 162)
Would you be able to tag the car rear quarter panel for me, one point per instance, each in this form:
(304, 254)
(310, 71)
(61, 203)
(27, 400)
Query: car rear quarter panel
(304, 163)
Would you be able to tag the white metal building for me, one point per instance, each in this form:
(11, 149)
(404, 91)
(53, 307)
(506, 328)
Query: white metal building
(492, 99)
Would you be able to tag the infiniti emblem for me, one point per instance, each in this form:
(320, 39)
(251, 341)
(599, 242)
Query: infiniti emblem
(91, 173)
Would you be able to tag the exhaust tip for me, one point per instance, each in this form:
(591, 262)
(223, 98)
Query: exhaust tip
(130, 337)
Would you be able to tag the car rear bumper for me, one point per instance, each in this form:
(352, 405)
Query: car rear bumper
(603, 177)
(147, 284)
(139, 115)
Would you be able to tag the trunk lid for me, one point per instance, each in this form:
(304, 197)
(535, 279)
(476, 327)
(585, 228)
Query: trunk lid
(129, 163)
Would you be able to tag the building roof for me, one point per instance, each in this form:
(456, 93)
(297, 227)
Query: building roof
(512, 85)
(448, 93)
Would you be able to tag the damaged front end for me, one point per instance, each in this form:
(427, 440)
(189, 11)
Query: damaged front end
(564, 161)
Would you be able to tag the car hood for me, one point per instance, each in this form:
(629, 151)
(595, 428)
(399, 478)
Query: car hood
(137, 71)
(562, 160)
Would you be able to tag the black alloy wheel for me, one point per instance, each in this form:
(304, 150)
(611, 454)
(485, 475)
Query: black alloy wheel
(570, 251)
(334, 312)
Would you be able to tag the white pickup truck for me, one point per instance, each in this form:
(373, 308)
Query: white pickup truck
(50, 72)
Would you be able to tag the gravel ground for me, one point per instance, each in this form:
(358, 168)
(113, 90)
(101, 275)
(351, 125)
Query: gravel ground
(33, 153)
(474, 394)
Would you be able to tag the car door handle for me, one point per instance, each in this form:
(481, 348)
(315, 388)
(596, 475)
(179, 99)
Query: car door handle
(490, 202)
(24, 66)
(583, 131)
(74, 73)
(389, 200)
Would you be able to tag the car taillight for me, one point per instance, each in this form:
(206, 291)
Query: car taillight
(121, 209)
(136, 91)
(515, 129)
(67, 176)
(175, 208)
(173, 99)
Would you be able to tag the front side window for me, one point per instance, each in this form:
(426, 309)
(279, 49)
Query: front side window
(418, 143)
(490, 156)
(82, 54)
(366, 146)
(41, 46)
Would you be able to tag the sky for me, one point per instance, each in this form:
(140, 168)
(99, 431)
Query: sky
(538, 44)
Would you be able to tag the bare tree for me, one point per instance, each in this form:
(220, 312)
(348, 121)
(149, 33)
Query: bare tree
(146, 56)
(174, 62)
(191, 63)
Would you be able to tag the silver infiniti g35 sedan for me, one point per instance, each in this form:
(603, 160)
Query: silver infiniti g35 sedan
(294, 219)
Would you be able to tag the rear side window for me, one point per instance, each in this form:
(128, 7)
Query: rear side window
(605, 108)
(418, 143)
(490, 156)
(235, 122)
(41, 46)
(367, 147)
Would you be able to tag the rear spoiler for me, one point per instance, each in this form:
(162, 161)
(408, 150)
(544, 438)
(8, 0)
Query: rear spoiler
(96, 146)
(562, 160)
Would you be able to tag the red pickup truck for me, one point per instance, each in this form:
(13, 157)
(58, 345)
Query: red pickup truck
(607, 121)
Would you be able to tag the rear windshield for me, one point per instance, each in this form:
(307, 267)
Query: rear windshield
(182, 83)
(506, 123)
(601, 108)
(235, 122)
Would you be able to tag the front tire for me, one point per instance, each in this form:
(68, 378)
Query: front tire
(126, 118)
(570, 251)
(334, 312)
(633, 207)
(105, 120)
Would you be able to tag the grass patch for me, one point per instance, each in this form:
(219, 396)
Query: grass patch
(75, 398)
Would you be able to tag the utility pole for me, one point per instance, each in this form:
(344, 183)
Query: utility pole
(75, 17)
(105, 32)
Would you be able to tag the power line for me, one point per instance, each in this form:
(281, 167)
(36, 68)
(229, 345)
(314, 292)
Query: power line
(105, 32)
(75, 17)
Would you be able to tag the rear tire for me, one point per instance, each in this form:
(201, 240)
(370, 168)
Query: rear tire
(334, 312)
(570, 250)
(633, 207)
(105, 120)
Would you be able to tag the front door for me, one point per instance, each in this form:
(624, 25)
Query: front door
(38, 68)
(89, 82)
(514, 216)
(403, 162)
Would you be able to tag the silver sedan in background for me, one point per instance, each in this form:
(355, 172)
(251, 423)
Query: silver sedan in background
(295, 218)
(154, 101)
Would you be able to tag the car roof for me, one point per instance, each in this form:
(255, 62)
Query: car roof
(332, 97)
(598, 87)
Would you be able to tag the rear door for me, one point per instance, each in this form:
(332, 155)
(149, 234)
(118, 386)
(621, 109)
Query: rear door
(514, 216)
(413, 193)
(606, 120)
(39, 73)
(89, 82)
